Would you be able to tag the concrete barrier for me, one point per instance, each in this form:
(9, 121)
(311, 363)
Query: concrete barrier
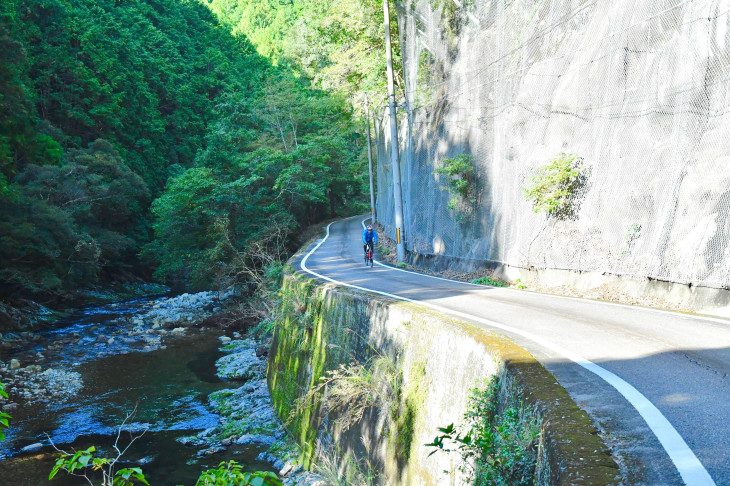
(431, 363)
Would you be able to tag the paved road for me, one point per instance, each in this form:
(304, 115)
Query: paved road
(655, 382)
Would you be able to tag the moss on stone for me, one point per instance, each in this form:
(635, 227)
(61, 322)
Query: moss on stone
(322, 326)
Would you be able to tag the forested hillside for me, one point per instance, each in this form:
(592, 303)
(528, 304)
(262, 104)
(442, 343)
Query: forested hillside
(144, 135)
(340, 45)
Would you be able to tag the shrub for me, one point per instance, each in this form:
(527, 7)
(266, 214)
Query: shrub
(4, 417)
(230, 473)
(556, 187)
(494, 282)
(497, 447)
(460, 178)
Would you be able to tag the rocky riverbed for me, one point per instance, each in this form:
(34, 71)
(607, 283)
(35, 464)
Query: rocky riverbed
(247, 415)
(43, 370)
(33, 374)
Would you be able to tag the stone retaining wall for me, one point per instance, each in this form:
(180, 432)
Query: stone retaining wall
(439, 360)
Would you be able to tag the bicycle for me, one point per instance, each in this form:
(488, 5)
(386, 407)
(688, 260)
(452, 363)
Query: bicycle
(369, 256)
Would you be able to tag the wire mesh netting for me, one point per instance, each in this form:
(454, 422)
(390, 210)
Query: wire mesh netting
(638, 90)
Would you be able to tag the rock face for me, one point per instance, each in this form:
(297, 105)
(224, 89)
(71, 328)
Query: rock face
(635, 88)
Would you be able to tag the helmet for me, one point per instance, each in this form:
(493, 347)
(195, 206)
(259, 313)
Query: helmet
(369, 227)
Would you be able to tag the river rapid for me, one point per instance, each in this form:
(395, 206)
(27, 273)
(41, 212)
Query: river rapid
(147, 364)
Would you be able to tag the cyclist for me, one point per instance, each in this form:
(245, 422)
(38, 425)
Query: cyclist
(369, 236)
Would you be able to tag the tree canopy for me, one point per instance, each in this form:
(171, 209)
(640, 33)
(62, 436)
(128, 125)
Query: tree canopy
(338, 44)
(149, 133)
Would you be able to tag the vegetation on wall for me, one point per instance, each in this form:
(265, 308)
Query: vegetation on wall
(556, 188)
(459, 180)
(490, 280)
(498, 441)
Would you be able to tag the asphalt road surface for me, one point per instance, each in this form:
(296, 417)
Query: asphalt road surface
(654, 382)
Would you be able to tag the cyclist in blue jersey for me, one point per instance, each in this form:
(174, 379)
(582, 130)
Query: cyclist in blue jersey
(369, 236)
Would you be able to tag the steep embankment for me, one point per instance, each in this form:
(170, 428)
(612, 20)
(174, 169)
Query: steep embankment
(395, 373)
(635, 91)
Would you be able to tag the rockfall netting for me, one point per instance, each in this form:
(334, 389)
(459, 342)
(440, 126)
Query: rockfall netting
(637, 90)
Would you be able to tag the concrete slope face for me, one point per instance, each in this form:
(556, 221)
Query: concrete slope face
(635, 90)
(654, 382)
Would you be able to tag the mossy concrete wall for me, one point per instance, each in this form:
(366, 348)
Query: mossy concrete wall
(440, 359)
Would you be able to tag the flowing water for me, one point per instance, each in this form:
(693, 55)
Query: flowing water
(165, 386)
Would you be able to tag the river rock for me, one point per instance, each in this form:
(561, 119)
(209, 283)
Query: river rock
(32, 447)
(277, 463)
(179, 331)
(14, 364)
(305, 478)
(244, 365)
(210, 451)
(256, 439)
(224, 339)
(290, 469)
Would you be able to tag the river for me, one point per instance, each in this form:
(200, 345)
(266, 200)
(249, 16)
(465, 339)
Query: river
(165, 383)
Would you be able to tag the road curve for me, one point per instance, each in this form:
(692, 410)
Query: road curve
(656, 383)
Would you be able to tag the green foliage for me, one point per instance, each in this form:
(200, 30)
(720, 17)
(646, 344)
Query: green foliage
(230, 473)
(460, 181)
(453, 17)
(403, 414)
(79, 462)
(4, 417)
(340, 45)
(273, 164)
(140, 74)
(556, 187)
(633, 233)
(383, 250)
(488, 280)
(69, 222)
(163, 96)
(502, 446)
(353, 388)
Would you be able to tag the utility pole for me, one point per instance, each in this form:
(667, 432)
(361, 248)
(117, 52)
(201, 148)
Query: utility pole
(395, 160)
(370, 160)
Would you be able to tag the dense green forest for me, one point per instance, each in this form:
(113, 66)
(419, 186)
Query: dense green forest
(338, 44)
(152, 135)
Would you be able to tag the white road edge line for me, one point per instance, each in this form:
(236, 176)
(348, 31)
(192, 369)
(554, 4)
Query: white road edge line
(689, 467)
(718, 320)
